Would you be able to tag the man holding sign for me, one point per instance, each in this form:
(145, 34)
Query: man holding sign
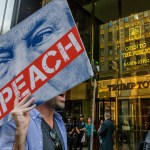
(45, 129)
(44, 56)
(38, 54)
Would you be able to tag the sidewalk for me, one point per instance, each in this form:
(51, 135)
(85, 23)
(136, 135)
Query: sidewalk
(84, 148)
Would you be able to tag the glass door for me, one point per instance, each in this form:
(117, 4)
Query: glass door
(145, 108)
(132, 120)
(107, 105)
(129, 121)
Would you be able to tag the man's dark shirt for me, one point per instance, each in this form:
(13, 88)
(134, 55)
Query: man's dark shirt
(48, 143)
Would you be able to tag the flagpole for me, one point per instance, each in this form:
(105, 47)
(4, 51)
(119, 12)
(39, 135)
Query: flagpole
(93, 106)
(92, 61)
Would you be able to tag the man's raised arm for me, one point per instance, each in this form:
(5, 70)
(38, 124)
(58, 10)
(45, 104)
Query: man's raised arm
(21, 116)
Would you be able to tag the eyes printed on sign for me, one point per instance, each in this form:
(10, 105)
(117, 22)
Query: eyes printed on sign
(42, 37)
(44, 31)
(6, 56)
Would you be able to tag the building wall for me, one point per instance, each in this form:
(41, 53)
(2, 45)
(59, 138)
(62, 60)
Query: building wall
(6, 11)
(124, 76)
(125, 46)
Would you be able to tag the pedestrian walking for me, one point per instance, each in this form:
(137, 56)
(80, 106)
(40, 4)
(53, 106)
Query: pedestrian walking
(106, 133)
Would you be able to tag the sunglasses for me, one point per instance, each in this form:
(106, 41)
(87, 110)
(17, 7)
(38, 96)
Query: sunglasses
(56, 140)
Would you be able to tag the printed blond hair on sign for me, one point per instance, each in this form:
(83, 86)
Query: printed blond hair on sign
(43, 55)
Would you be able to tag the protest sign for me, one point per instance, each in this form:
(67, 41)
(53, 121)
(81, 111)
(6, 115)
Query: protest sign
(43, 55)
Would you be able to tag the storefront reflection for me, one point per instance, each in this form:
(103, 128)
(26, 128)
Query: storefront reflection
(132, 122)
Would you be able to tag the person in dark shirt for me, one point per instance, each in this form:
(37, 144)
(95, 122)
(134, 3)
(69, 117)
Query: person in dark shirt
(106, 133)
(80, 129)
(30, 124)
(70, 132)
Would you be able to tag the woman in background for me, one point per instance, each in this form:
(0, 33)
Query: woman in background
(101, 122)
(88, 127)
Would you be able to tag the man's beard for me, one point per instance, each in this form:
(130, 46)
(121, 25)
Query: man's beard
(59, 107)
(56, 106)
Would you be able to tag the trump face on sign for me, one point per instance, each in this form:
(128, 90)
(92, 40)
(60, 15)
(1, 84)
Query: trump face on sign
(29, 39)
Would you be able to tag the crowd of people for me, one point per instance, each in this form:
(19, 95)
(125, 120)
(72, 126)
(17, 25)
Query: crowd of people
(42, 128)
(79, 132)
